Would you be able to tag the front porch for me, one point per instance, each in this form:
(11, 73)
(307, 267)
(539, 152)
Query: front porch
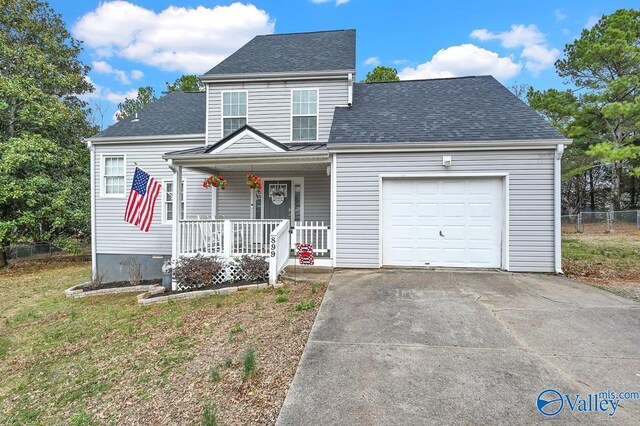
(293, 207)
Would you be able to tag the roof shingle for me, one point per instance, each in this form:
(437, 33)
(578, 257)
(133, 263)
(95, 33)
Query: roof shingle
(176, 113)
(438, 110)
(299, 52)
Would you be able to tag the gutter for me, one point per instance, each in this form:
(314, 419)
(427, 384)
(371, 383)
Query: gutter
(557, 220)
(445, 146)
(94, 242)
(196, 137)
(208, 159)
(272, 76)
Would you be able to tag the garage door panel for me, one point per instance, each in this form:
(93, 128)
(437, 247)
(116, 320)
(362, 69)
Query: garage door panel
(452, 186)
(450, 209)
(467, 211)
(427, 210)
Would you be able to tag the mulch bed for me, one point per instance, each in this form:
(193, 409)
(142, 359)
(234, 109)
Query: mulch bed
(118, 284)
(206, 287)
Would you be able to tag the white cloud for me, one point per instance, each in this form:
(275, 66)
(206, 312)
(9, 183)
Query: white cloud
(400, 61)
(372, 61)
(539, 57)
(518, 35)
(136, 74)
(591, 21)
(191, 40)
(103, 67)
(337, 2)
(536, 52)
(463, 60)
(560, 16)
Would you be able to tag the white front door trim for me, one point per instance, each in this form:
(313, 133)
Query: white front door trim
(294, 181)
(442, 175)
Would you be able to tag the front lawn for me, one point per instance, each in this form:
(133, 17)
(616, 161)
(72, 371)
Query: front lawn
(611, 261)
(105, 359)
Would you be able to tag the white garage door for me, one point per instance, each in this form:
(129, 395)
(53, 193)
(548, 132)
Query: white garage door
(454, 222)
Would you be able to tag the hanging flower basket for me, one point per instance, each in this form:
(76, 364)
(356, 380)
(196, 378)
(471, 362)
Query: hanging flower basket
(254, 182)
(216, 181)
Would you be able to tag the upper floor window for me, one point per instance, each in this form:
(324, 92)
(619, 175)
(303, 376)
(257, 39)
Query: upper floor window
(234, 111)
(304, 115)
(113, 176)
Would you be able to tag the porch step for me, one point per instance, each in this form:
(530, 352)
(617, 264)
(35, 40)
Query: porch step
(300, 269)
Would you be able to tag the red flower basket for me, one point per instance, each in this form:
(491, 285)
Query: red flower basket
(216, 181)
(254, 182)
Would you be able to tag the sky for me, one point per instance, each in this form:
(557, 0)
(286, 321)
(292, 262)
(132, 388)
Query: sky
(136, 43)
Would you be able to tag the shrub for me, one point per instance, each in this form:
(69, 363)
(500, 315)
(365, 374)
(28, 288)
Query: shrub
(249, 363)
(133, 268)
(304, 305)
(255, 268)
(197, 271)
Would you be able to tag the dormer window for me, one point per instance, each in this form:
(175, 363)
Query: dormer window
(234, 111)
(304, 115)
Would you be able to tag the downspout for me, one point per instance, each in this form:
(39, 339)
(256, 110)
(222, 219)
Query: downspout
(557, 192)
(350, 90)
(94, 242)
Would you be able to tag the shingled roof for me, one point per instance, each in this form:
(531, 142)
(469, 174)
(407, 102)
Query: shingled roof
(438, 110)
(176, 113)
(299, 52)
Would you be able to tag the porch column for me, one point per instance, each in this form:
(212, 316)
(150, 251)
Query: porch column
(177, 214)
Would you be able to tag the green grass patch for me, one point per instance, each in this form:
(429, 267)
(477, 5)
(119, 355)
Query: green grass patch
(249, 363)
(282, 299)
(304, 305)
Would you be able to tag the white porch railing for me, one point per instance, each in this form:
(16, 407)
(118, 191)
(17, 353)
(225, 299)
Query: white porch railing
(279, 245)
(227, 238)
(315, 233)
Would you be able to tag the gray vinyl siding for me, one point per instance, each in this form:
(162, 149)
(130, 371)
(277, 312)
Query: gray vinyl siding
(269, 106)
(233, 202)
(531, 203)
(246, 145)
(113, 234)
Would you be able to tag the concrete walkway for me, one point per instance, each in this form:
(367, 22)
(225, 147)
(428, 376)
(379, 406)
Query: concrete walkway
(425, 347)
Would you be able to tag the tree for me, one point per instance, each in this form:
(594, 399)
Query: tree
(186, 83)
(381, 73)
(520, 90)
(44, 173)
(128, 107)
(603, 114)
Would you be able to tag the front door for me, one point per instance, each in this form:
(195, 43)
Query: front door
(277, 199)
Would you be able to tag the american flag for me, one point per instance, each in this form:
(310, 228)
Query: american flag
(142, 200)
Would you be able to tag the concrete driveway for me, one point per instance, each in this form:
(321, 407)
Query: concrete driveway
(430, 347)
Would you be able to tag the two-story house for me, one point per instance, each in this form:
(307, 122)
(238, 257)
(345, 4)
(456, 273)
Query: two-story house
(453, 172)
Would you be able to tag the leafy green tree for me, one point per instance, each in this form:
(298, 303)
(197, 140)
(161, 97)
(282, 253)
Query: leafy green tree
(186, 83)
(44, 173)
(145, 96)
(603, 114)
(381, 73)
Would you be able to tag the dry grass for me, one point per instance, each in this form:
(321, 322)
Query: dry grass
(608, 260)
(107, 360)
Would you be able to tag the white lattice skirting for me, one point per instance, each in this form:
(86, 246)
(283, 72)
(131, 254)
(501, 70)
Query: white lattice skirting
(230, 272)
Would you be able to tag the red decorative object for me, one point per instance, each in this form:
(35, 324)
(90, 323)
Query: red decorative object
(305, 254)
(216, 181)
(254, 182)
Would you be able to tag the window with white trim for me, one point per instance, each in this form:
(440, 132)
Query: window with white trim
(167, 201)
(113, 176)
(304, 115)
(234, 111)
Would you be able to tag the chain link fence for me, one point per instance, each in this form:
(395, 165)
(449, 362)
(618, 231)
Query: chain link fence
(32, 250)
(601, 222)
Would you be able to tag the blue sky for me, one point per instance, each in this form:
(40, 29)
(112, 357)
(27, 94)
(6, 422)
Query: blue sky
(142, 42)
